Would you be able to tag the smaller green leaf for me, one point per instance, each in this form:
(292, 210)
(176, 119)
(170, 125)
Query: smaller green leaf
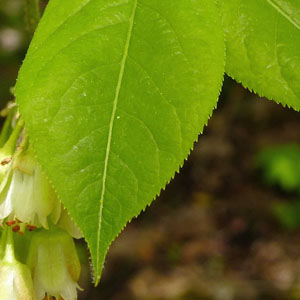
(263, 47)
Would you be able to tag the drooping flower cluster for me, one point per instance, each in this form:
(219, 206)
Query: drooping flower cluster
(29, 206)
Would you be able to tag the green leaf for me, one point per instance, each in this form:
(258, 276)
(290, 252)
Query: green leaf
(263, 47)
(114, 94)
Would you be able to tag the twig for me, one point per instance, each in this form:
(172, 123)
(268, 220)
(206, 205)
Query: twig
(32, 14)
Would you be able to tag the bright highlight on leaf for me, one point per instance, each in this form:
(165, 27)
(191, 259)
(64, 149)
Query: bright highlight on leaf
(263, 47)
(114, 94)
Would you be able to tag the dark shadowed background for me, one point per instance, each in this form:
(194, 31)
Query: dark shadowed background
(227, 227)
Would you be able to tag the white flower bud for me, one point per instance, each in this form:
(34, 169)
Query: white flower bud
(54, 264)
(15, 278)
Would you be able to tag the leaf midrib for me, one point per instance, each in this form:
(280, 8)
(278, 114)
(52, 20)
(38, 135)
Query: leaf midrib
(283, 13)
(111, 124)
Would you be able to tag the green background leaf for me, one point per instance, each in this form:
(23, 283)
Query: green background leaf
(281, 166)
(114, 94)
(263, 47)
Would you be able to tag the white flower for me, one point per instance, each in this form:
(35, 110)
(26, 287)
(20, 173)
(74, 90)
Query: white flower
(26, 194)
(15, 282)
(54, 264)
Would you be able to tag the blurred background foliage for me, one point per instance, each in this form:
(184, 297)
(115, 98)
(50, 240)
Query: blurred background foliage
(280, 166)
(227, 227)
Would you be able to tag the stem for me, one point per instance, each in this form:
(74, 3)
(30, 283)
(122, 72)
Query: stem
(32, 14)
(10, 250)
(3, 243)
(13, 139)
(6, 129)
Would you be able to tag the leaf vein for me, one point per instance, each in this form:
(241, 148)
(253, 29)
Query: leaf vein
(283, 13)
(117, 93)
(148, 130)
(278, 62)
(158, 89)
(174, 31)
(70, 17)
